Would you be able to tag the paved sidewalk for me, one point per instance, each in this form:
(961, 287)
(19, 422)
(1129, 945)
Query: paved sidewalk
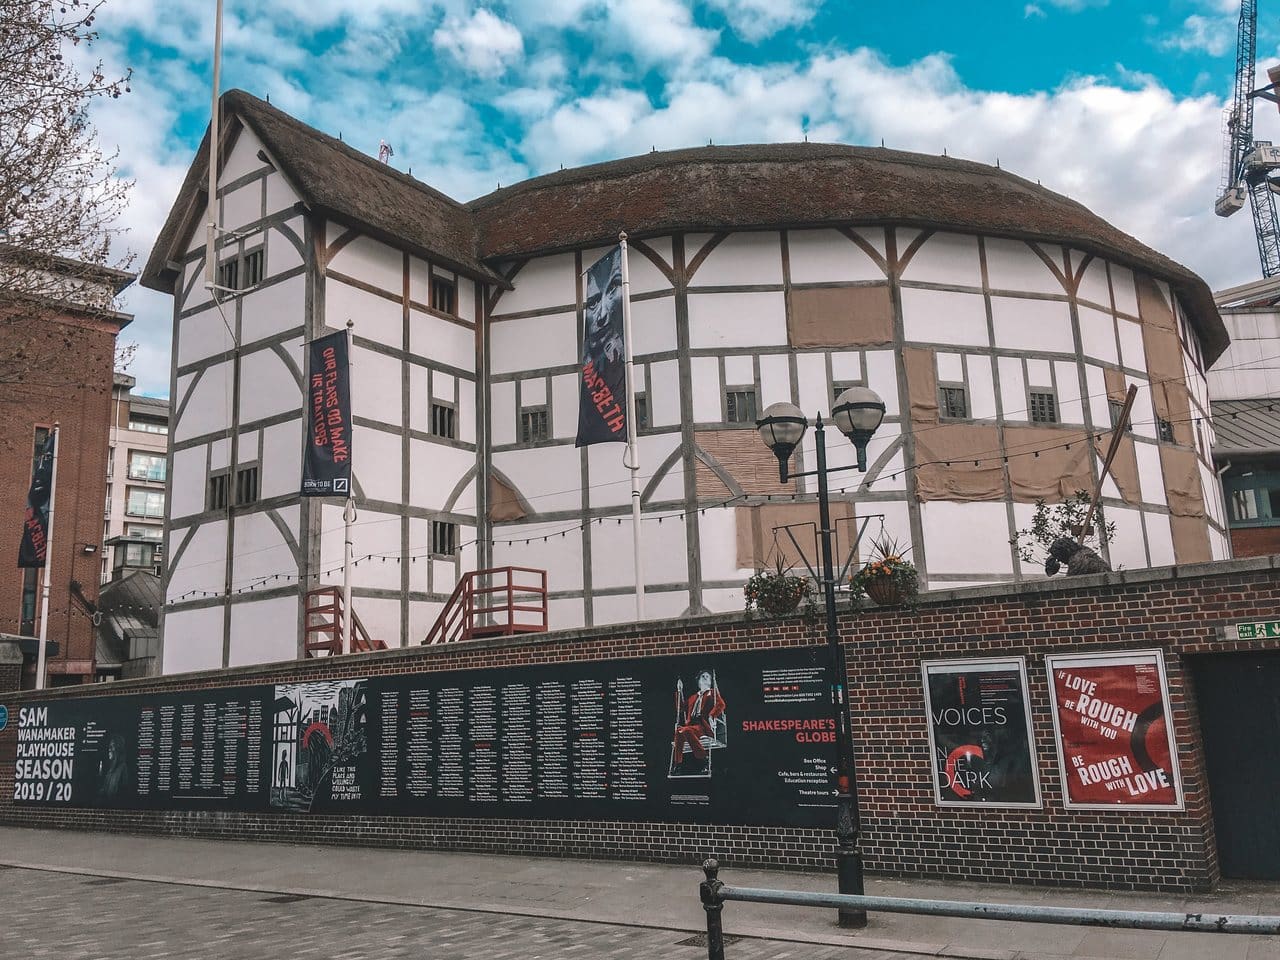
(478, 891)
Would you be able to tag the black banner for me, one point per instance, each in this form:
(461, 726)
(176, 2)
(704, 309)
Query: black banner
(744, 737)
(980, 733)
(326, 467)
(35, 522)
(602, 403)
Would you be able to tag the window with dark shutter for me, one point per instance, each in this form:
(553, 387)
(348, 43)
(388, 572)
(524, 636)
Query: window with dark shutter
(740, 406)
(1044, 406)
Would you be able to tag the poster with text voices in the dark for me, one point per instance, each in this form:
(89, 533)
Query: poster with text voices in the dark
(980, 733)
(744, 737)
(1114, 728)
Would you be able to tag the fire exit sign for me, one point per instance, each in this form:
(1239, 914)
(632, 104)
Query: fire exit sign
(1258, 631)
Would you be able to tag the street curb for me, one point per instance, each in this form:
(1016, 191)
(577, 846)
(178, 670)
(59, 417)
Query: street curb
(748, 930)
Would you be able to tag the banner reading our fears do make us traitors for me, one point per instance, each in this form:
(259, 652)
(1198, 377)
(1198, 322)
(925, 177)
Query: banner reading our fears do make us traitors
(1114, 729)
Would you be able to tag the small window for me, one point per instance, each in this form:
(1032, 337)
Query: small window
(1243, 504)
(247, 485)
(533, 425)
(147, 466)
(953, 402)
(642, 411)
(1166, 430)
(444, 295)
(229, 274)
(219, 484)
(111, 463)
(149, 426)
(740, 406)
(145, 503)
(444, 421)
(1044, 406)
(1114, 409)
(252, 270)
(444, 538)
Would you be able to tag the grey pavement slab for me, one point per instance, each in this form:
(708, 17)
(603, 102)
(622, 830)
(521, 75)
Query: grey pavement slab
(636, 896)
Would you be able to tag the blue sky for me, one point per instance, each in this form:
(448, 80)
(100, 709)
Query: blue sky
(1117, 104)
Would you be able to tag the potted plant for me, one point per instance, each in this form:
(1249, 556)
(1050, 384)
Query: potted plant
(777, 592)
(888, 577)
(1065, 519)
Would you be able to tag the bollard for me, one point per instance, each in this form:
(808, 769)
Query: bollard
(709, 891)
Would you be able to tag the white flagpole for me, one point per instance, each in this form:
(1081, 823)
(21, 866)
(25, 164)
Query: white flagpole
(48, 559)
(632, 456)
(348, 519)
(211, 228)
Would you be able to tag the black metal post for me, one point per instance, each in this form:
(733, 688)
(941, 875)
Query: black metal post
(709, 891)
(848, 826)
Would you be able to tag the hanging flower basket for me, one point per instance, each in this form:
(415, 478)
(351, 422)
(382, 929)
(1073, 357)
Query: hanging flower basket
(887, 578)
(776, 592)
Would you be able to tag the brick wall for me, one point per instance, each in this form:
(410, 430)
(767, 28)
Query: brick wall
(69, 384)
(1255, 541)
(1181, 611)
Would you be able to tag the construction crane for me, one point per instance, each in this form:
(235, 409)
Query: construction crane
(1249, 163)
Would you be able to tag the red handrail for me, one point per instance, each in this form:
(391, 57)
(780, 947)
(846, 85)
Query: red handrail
(472, 611)
(324, 638)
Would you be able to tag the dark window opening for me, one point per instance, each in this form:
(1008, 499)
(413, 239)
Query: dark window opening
(444, 538)
(444, 295)
(953, 402)
(253, 268)
(1044, 407)
(247, 485)
(642, 411)
(533, 425)
(444, 421)
(219, 484)
(1114, 408)
(229, 274)
(1166, 430)
(740, 406)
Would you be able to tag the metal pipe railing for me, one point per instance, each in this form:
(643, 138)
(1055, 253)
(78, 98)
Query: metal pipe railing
(714, 893)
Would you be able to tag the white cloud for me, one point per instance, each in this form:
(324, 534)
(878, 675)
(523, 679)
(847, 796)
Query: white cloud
(484, 44)
(1033, 10)
(656, 31)
(756, 20)
(1214, 35)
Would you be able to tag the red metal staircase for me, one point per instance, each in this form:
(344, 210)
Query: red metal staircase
(491, 603)
(324, 626)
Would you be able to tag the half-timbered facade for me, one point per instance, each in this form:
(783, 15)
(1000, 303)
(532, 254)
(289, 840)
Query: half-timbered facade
(1001, 323)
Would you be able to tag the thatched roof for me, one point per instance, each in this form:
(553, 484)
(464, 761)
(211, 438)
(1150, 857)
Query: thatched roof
(699, 189)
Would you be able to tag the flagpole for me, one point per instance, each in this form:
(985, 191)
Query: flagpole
(633, 463)
(348, 520)
(48, 557)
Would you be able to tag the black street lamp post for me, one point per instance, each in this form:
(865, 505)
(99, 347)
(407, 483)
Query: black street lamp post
(857, 414)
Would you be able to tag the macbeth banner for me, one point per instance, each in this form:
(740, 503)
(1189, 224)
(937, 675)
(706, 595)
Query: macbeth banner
(1115, 738)
(326, 466)
(35, 523)
(602, 402)
(745, 737)
(980, 733)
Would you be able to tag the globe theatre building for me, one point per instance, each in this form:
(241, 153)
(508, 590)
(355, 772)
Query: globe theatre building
(1000, 322)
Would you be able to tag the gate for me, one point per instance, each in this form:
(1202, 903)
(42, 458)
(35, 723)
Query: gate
(1239, 697)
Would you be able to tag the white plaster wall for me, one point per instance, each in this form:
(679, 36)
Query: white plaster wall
(272, 309)
(373, 533)
(560, 554)
(882, 377)
(264, 631)
(662, 605)
(1013, 390)
(441, 341)
(186, 467)
(1013, 265)
(982, 386)
(243, 159)
(564, 406)
(375, 318)
(813, 387)
(371, 261)
(1098, 335)
(775, 379)
(1070, 407)
(1124, 290)
(380, 617)
(201, 566)
(718, 539)
(376, 386)
(549, 477)
(279, 194)
(1132, 352)
(827, 256)
(944, 258)
(966, 538)
(533, 343)
(1025, 324)
(203, 334)
(268, 386)
(542, 282)
(737, 319)
(375, 463)
(565, 613)
(281, 472)
(1150, 473)
(242, 206)
(1128, 549)
(192, 640)
(260, 548)
(705, 375)
(740, 258)
(644, 275)
(1094, 286)
(1159, 539)
(653, 326)
(503, 412)
(664, 394)
(941, 316)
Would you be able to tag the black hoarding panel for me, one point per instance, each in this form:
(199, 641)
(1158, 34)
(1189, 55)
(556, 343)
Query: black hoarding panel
(744, 737)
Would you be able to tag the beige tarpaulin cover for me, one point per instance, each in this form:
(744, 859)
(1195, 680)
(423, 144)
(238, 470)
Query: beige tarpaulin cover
(744, 457)
(1172, 401)
(1124, 468)
(1182, 482)
(922, 385)
(1164, 354)
(840, 316)
(1056, 473)
(945, 467)
(758, 547)
(1152, 305)
(504, 502)
(1116, 385)
(1190, 540)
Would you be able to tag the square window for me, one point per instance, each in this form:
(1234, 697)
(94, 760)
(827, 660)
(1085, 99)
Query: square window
(252, 270)
(219, 484)
(443, 421)
(145, 503)
(1044, 406)
(953, 402)
(147, 466)
(247, 485)
(444, 538)
(1243, 505)
(444, 295)
(1166, 430)
(642, 411)
(740, 406)
(229, 274)
(533, 425)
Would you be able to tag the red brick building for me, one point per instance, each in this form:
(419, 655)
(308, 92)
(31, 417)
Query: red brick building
(56, 367)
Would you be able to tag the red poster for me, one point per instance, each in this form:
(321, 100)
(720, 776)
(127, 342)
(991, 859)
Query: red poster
(1115, 741)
